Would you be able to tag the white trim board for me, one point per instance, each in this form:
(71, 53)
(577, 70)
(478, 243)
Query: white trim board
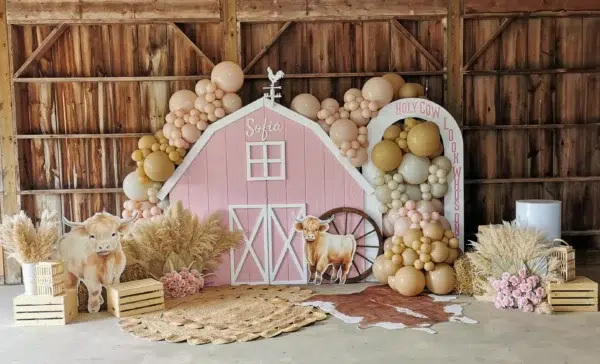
(246, 110)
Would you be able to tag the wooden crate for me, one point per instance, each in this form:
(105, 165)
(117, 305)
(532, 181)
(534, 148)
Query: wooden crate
(566, 256)
(580, 294)
(49, 273)
(55, 289)
(134, 298)
(45, 310)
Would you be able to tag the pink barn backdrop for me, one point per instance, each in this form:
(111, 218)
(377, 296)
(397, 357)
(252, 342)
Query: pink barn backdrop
(260, 167)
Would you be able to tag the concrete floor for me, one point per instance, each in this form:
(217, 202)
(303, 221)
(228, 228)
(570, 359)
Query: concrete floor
(500, 337)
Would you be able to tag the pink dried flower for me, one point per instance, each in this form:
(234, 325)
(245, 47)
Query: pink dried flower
(539, 292)
(181, 284)
(505, 276)
(516, 293)
(504, 284)
(515, 281)
(523, 273)
(496, 285)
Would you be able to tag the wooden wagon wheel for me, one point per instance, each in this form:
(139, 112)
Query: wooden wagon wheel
(356, 273)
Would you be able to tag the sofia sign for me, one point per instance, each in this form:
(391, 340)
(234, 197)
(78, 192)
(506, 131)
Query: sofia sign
(453, 149)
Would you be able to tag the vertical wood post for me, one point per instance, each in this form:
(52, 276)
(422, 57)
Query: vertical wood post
(454, 84)
(231, 29)
(8, 143)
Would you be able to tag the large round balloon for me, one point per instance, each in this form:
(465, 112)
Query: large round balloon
(343, 130)
(424, 139)
(228, 76)
(378, 89)
(409, 281)
(441, 279)
(396, 80)
(134, 189)
(386, 155)
(383, 268)
(413, 169)
(330, 104)
(182, 100)
(411, 90)
(146, 142)
(158, 166)
(307, 105)
(231, 102)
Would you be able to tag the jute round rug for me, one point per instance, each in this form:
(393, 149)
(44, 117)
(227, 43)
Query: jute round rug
(222, 315)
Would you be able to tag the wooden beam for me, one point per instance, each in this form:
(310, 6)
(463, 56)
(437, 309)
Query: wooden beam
(81, 136)
(454, 60)
(551, 71)
(537, 14)
(109, 79)
(70, 191)
(350, 74)
(8, 143)
(42, 48)
(266, 47)
(528, 126)
(531, 180)
(191, 43)
(416, 43)
(230, 28)
(488, 43)
(478, 6)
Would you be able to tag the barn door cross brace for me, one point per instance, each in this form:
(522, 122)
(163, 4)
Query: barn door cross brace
(487, 43)
(417, 44)
(267, 46)
(191, 43)
(46, 44)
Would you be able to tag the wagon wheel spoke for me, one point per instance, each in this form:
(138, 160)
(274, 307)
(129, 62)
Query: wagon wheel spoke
(365, 258)
(335, 227)
(362, 218)
(363, 235)
(356, 267)
(367, 246)
(346, 223)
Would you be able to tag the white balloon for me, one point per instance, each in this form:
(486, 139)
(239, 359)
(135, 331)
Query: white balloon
(415, 170)
(442, 162)
(413, 192)
(384, 194)
(439, 190)
(134, 189)
(388, 227)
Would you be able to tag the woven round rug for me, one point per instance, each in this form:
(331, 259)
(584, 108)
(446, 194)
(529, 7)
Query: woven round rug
(222, 315)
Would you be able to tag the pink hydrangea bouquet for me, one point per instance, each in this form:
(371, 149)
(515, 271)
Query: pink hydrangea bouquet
(522, 291)
(183, 283)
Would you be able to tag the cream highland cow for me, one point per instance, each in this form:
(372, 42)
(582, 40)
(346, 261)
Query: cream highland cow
(93, 254)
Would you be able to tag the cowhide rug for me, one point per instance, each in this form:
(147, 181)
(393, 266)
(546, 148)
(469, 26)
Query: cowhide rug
(383, 307)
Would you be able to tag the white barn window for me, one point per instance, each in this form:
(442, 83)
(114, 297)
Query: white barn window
(265, 161)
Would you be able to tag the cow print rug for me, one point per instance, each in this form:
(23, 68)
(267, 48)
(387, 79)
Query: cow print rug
(381, 306)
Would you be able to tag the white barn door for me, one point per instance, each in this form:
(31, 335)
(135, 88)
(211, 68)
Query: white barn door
(286, 246)
(249, 261)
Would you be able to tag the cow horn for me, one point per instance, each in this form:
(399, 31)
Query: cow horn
(72, 223)
(298, 219)
(328, 220)
(128, 220)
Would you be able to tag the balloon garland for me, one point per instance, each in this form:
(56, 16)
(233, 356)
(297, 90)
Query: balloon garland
(190, 113)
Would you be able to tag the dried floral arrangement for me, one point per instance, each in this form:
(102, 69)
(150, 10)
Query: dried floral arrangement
(27, 243)
(523, 291)
(199, 244)
(506, 250)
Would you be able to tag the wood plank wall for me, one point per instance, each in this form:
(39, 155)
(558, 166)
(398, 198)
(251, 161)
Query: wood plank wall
(96, 67)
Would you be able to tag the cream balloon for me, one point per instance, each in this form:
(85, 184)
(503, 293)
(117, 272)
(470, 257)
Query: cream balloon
(307, 105)
(134, 189)
(352, 94)
(443, 163)
(396, 80)
(439, 190)
(182, 100)
(231, 102)
(343, 130)
(378, 89)
(415, 170)
(413, 192)
(387, 227)
(228, 76)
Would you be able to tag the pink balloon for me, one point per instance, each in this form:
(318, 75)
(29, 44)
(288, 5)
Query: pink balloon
(415, 226)
(355, 144)
(411, 213)
(416, 218)
(410, 204)
(202, 125)
(168, 129)
(425, 206)
(179, 113)
(403, 211)
(435, 216)
(179, 122)
(129, 205)
(426, 216)
(155, 211)
(219, 112)
(401, 226)
(342, 130)
(423, 224)
(145, 205)
(437, 205)
(351, 153)
(146, 214)
(194, 120)
(175, 134)
(393, 215)
(126, 214)
(180, 143)
(170, 118)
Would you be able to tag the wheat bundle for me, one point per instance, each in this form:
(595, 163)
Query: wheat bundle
(26, 243)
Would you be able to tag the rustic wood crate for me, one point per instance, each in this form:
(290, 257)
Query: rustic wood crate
(134, 298)
(55, 289)
(49, 273)
(45, 310)
(566, 256)
(580, 294)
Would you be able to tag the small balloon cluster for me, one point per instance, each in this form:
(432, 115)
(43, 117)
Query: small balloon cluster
(190, 114)
(423, 240)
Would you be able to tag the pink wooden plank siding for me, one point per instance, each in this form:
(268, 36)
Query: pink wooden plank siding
(198, 191)
(355, 198)
(181, 191)
(314, 173)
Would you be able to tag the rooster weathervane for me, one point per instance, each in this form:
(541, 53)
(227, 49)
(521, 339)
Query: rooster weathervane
(274, 78)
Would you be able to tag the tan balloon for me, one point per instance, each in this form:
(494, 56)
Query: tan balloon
(409, 281)
(392, 282)
(392, 132)
(182, 100)
(453, 254)
(439, 251)
(352, 94)
(201, 88)
(409, 256)
(411, 236)
(378, 89)
(330, 103)
(228, 76)
(307, 105)
(396, 80)
(383, 268)
(358, 119)
(424, 139)
(231, 102)
(361, 157)
(146, 142)
(190, 133)
(158, 166)
(411, 90)
(441, 279)
(386, 155)
(434, 230)
(343, 130)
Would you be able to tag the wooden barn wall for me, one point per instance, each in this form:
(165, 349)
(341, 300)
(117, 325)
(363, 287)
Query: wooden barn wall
(527, 102)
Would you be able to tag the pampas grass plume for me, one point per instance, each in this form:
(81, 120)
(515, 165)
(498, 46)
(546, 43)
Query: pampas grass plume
(26, 243)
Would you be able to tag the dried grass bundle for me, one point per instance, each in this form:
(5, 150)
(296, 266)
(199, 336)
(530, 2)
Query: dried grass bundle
(463, 271)
(26, 243)
(508, 248)
(178, 230)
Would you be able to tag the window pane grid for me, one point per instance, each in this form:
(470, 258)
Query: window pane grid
(277, 164)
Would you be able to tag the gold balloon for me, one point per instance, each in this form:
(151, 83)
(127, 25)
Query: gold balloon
(452, 255)
(137, 155)
(228, 76)
(411, 90)
(433, 230)
(396, 80)
(392, 132)
(439, 252)
(409, 256)
(158, 166)
(441, 279)
(411, 236)
(424, 139)
(386, 155)
(409, 281)
(383, 268)
(146, 142)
